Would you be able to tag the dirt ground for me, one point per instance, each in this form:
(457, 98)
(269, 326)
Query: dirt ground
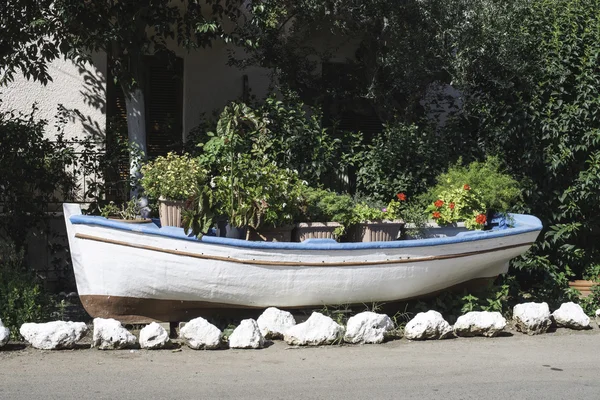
(560, 365)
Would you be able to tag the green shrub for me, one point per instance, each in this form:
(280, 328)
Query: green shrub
(33, 174)
(22, 298)
(404, 158)
(250, 187)
(591, 303)
(297, 138)
(529, 78)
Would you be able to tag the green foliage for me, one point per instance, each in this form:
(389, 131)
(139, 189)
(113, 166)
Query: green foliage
(36, 33)
(323, 205)
(22, 298)
(591, 303)
(33, 174)
(362, 212)
(395, 161)
(298, 139)
(27, 40)
(501, 296)
(130, 210)
(261, 194)
(172, 177)
(533, 99)
(460, 204)
(199, 214)
(491, 188)
(396, 208)
(251, 189)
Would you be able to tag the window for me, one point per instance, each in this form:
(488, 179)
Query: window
(163, 97)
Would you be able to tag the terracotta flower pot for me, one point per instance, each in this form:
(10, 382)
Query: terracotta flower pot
(268, 234)
(315, 230)
(584, 287)
(170, 212)
(375, 231)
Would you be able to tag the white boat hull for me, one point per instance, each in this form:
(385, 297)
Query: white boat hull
(131, 275)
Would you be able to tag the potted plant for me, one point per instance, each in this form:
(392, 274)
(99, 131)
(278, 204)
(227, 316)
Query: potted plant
(591, 278)
(373, 224)
(475, 189)
(324, 214)
(129, 212)
(462, 205)
(260, 197)
(254, 194)
(172, 180)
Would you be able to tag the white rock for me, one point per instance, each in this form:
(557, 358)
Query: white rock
(201, 334)
(53, 335)
(368, 327)
(4, 334)
(153, 337)
(479, 323)
(273, 322)
(571, 315)
(598, 312)
(532, 318)
(109, 334)
(317, 330)
(247, 336)
(427, 325)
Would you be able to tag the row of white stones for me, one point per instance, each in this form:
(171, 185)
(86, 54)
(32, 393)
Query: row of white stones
(366, 327)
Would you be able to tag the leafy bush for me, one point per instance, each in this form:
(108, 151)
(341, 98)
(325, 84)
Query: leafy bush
(259, 194)
(22, 298)
(591, 303)
(405, 157)
(33, 174)
(251, 189)
(323, 205)
(298, 139)
(530, 90)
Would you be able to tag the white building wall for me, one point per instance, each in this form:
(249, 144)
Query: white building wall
(209, 83)
(80, 88)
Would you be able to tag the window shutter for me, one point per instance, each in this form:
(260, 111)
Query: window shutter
(350, 114)
(163, 96)
(164, 105)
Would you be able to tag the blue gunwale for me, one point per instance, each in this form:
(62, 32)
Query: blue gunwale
(522, 224)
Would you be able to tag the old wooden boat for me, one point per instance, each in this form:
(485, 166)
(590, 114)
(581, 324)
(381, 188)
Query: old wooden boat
(142, 272)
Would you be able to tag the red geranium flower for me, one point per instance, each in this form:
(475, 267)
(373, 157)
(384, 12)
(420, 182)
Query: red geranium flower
(467, 187)
(438, 203)
(401, 196)
(436, 214)
(451, 205)
(480, 219)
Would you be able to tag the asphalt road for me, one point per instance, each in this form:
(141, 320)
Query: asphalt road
(561, 365)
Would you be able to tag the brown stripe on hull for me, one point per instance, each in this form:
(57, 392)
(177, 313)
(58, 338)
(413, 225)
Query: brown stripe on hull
(138, 310)
(133, 310)
(404, 260)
